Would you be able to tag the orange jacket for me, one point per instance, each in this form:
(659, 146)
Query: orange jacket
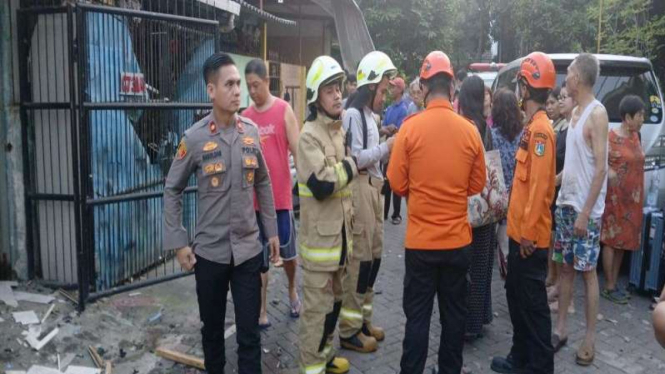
(437, 162)
(529, 214)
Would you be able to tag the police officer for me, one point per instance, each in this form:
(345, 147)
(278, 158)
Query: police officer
(224, 153)
(529, 226)
(324, 173)
(355, 328)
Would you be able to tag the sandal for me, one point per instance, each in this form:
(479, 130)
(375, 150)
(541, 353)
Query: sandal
(585, 355)
(264, 326)
(558, 343)
(396, 220)
(295, 308)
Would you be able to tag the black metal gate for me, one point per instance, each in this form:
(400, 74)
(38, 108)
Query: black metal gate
(106, 93)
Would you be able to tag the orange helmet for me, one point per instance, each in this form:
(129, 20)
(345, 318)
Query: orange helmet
(538, 71)
(436, 62)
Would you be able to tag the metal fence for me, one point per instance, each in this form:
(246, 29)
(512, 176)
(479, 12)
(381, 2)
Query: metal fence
(106, 93)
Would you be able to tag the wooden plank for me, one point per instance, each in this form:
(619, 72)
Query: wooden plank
(96, 358)
(48, 313)
(109, 368)
(179, 357)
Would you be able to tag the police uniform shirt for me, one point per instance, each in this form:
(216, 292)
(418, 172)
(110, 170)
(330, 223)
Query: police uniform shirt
(229, 168)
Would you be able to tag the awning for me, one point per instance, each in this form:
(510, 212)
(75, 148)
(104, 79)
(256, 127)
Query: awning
(265, 15)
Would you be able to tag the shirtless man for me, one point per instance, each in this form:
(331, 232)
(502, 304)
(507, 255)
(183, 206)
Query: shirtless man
(581, 201)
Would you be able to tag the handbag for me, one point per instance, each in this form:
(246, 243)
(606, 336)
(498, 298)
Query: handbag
(491, 205)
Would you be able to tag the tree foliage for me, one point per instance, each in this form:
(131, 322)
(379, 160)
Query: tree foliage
(409, 29)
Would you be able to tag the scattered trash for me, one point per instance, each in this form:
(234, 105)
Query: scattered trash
(182, 358)
(15, 372)
(82, 370)
(37, 344)
(7, 295)
(627, 339)
(600, 317)
(28, 317)
(33, 297)
(155, 317)
(274, 301)
(109, 368)
(1, 320)
(67, 360)
(612, 320)
(48, 313)
(122, 353)
(134, 294)
(266, 350)
(36, 369)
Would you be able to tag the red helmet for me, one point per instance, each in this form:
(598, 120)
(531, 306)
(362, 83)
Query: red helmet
(538, 71)
(436, 62)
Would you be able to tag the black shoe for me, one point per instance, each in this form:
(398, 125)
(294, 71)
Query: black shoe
(504, 365)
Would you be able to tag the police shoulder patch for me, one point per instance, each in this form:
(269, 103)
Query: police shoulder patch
(182, 150)
(539, 148)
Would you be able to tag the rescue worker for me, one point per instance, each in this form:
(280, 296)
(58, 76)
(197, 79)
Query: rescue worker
(224, 153)
(529, 225)
(437, 163)
(324, 173)
(356, 330)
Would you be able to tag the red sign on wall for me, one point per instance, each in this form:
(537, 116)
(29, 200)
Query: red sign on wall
(132, 84)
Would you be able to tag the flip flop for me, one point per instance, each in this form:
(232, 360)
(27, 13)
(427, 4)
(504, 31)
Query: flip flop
(396, 220)
(558, 343)
(295, 308)
(264, 326)
(585, 356)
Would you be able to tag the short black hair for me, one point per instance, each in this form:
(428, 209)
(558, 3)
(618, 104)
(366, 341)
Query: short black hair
(538, 95)
(461, 75)
(438, 84)
(630, 105)
(555, 92)
(212, 65)
(351, 78)
(258, 67)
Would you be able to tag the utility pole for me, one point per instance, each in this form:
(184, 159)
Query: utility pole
(600, 24)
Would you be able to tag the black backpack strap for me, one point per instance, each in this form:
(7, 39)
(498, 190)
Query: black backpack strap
(362, 116)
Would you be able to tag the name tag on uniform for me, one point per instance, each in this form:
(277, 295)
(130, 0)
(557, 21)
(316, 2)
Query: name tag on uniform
(524, 141)
(211, 155)
(252, 150)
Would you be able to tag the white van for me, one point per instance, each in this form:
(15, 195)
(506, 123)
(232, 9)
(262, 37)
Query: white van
(619, 76)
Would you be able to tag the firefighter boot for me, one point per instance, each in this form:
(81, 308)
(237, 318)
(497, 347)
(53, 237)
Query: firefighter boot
(359, 343)
(338, 365)
(373, 331)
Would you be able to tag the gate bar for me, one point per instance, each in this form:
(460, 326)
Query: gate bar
(144, 105)
(132, 197)
(145, 14)
(133, 286)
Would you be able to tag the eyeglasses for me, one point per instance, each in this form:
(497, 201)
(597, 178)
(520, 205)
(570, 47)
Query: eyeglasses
(562, 97)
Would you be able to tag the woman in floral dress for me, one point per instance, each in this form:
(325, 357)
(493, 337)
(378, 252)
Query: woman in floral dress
(622, 220)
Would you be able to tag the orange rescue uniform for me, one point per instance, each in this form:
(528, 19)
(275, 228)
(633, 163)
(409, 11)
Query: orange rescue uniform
(529, 214)
(437, 162)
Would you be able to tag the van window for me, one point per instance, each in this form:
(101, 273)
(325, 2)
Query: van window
(616, 82)
(507, 79)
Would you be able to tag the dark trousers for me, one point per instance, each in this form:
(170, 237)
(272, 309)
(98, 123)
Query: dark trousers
(397, 203)
(388, 193)
(532, 350)
(430, 273)
(212, 286)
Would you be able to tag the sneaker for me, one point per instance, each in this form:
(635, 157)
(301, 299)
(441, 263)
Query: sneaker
(615, 296)
(505, 365)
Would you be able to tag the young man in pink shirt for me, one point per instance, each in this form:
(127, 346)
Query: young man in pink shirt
(279, 132)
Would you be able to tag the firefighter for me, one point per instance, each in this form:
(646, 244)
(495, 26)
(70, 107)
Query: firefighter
(356, 329)
(324, 173)
(529, 225)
